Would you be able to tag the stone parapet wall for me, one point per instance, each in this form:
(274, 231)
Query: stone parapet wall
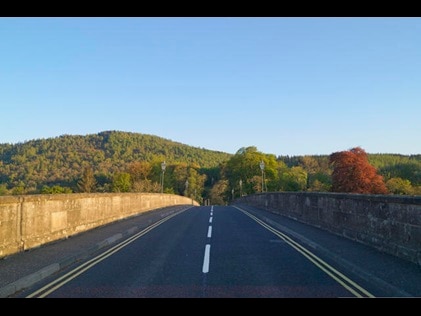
(29, 221)
(389, 223)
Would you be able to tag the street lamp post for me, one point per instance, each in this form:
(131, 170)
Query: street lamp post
(262, 167)
(163, 166)
(187, 187)
(241, 188)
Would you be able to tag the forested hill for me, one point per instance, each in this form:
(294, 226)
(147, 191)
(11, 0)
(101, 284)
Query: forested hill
(116, 161)
(60, 160)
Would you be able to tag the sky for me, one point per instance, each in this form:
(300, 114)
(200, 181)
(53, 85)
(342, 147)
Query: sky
(286, 85)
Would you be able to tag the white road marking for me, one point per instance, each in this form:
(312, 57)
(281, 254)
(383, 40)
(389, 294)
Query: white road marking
(209, 231)
(210, 219)
(205, 268)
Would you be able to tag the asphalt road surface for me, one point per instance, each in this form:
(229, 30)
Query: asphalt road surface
(208, 252)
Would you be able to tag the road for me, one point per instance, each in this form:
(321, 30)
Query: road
(207, 251)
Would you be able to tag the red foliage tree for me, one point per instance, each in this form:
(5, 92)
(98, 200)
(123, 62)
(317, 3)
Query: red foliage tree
(352, 173)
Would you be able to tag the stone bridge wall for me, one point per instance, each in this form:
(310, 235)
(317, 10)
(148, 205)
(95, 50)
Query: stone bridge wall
(29, 221)
(389, 223)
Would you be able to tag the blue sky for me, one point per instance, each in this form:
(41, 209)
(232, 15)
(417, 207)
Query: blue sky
(289, 86)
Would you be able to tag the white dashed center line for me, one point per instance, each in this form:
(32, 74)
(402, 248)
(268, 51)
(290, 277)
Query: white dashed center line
(206, 258)
(205, 268)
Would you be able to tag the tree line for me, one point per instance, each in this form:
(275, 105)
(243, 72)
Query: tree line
(115, 161)
(64, 164)
(349, 171)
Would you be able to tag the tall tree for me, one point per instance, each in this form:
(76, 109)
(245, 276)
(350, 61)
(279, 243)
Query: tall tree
(87, 183)
(217, 192)
(245, 166)
(352, 173)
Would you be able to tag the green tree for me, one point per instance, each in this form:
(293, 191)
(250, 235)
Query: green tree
(312, 167)
(320, 182)
(121, 182)
(3, 189)
(56, 189)
(87, 183)
(245, 166)
(103, 182)
(399, 186)
(146, 186)
(180, 175)
(309, 164)
(294, 179)
(217, 192)
(196, 183)
(416, 190)
(139, 170)
(19, 189)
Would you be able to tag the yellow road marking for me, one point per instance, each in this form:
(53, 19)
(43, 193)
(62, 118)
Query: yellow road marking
(324, 266)
(54, 285)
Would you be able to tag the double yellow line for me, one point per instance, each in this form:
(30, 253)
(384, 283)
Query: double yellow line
(54, 285)
(347, 283)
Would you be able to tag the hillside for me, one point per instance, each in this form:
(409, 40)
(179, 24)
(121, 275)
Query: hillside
(61, 160)
(131, 162)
